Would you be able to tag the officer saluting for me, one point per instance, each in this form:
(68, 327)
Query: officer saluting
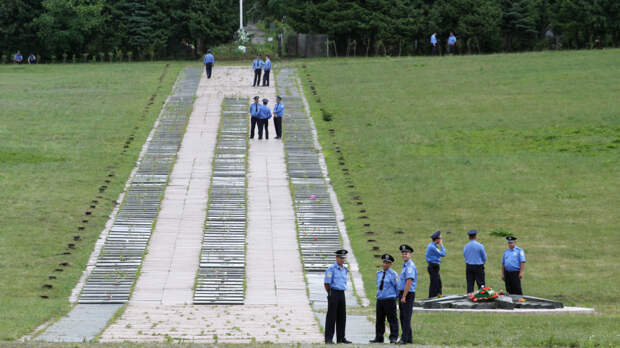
(475, 257)
(335, 285)
(387, 291)
(513, 265)
(434, 252)
(406, 287)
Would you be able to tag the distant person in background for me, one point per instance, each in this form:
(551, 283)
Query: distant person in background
(452, 43)
(267, 71)
(278, 112)
(32, 59)
(254, 116)
(513, 265)
(434, 252)
(434, 44)
(263, 122)
(257, 66)
(18, 58)
(209, 62)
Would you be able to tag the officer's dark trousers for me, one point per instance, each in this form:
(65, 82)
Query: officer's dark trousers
(435, 50)
(336, 316)
(263, 124)
(452, 49)
(266, 78)
(256, 77)
(386, 308)
(253, 122)
(513, 283)
(209, 68)
(435, 288)
(277, 122)
(474, 272)
(406, 309)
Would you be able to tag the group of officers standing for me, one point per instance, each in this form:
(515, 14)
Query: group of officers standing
(394, 288)
(260, 115)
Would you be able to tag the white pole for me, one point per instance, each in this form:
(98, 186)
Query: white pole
(240, 14)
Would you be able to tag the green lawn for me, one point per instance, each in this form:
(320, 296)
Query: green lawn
(63, 131)
(523, 142)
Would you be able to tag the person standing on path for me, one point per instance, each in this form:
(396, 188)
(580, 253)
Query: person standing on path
(278, 112)
(513, 265)
(267, 71)
(387, 291)
(452, 43)
(209, 62)
(406, 286)
(434, 44)
(254, 116)
(263, 122)
(475, 257)
(434, 252)
(257, 66)
(335, 282)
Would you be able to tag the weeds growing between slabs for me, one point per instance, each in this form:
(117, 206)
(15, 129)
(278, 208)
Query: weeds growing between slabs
(67, 131)
(522, 143)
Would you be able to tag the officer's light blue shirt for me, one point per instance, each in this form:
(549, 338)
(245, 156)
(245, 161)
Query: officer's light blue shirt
(264, 112)
(474, 253)
(434, 253)
(209, 59)
(336, 277)
(255, 110)
(268, 64)
(451, 40)
(433, 39)
(19, 57)
(278, 109)
(512, 259)
(390, 284)
(409, 272)
(257, 64)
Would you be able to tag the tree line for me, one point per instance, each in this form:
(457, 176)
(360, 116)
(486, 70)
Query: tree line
(143, 29)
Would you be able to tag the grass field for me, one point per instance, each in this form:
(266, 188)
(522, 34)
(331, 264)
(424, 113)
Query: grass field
(63, 131)
(527, 143)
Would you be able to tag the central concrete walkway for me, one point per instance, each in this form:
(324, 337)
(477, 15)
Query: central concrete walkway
(277, 307)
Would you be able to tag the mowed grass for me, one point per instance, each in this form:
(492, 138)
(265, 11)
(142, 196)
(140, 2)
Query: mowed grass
(527, 143)
(63, 131)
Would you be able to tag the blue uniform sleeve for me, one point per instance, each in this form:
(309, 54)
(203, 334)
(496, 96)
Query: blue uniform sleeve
(483, 253)
(442, 252)
(410, 274)
(504, 258)
(521, 256)
(329, 276)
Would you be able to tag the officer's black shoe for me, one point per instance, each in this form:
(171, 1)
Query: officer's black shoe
(376, 341)
(345, 341)
(393, 341)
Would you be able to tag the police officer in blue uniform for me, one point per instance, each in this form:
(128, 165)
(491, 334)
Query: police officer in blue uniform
(267, 70)
(209, 61)
(475, 257)
(387, 291)
(263, 122)
(335, 282)
(513, 265)
(434, 252)
(257, 66)
(254, 115)
(406, 286)
(278, 112)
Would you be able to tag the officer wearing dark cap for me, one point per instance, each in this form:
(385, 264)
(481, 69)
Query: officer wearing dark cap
(434, 252)
(387, 291)
(475, 257)
(263, 122)
(513, 265)
(406, 287)
(335, 284)
(254, 115)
